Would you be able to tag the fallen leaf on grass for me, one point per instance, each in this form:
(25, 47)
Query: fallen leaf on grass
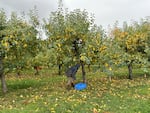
(95, 110)
(25, 102)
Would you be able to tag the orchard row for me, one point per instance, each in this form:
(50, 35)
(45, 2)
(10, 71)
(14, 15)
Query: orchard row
(72, 37)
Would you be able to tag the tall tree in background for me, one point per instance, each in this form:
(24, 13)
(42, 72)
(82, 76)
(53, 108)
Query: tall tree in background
(22, 42)
(18, 44)
(55, 29)
(133, 41)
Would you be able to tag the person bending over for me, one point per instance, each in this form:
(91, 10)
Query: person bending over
(71, 75)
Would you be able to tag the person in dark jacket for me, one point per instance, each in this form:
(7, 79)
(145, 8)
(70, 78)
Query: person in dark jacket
(71, 75)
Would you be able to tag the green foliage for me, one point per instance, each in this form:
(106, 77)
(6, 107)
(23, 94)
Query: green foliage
(132, 41)
(19, 43)
(21, 47)
(68, 32)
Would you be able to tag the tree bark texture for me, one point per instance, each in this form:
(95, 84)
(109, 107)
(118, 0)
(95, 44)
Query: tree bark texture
(2, 77)
(83, 71)
(130, 70)
(59, 69)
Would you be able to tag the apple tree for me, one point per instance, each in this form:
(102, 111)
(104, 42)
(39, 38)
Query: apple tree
(133, 41)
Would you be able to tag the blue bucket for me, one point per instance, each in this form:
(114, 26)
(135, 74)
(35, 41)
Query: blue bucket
(80, 86)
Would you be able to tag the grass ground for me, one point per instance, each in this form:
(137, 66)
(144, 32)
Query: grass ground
(47, 93)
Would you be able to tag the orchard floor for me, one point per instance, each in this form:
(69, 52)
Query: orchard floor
(46, 93)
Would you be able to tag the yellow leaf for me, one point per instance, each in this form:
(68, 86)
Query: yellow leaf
(59, 45)
(52, 110)
(95, 110)
(110, 68)
(106, 65)
(83, 58)
(21, 96)
(5, 44)
(11, 36)
(25, 45)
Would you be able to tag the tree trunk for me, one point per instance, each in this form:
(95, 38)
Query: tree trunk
(89, 67)
(36, 70)
(59, 69)
(110, 78)
(83, 71)
(130, 70)
(2, 77)
(18, 72)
